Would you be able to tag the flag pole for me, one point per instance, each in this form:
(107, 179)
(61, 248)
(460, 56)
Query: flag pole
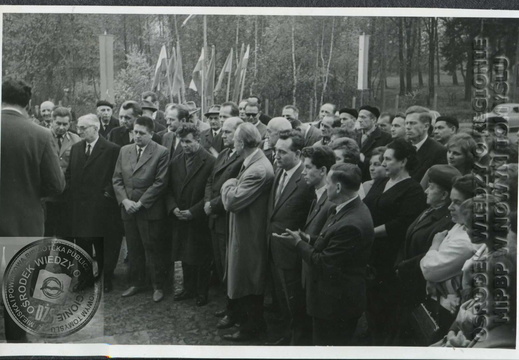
(204, 66)
(229, 79)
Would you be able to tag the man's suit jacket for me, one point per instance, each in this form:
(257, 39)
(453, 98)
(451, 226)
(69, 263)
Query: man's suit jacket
(207, 140)
(224, 168)
(121, 136)
(262, 128)
(29, 171)
(89, 181)
(312, 136)
(112, 124)
(430, 153)
(336, 287)
(375, 139)
(186, 190)
(289, 212)
(418, 240)
(168, 141)
(64, 153)
(143, 181)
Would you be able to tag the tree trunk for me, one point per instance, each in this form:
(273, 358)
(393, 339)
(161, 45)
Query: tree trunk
(468, 74)
(329, 61)
(431, 31)
(437, 41)
(294, 68)
(256, 48)
(409, 54)
(401, 65)
(316, 74)
(455, 77)
(419, 53)
(383, 66)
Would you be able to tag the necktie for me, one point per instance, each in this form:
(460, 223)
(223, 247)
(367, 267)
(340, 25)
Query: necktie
(364, 138)
(312, 207)
(189, 162)
(231, 153)
(139, 152)
(281, 185)
(88, 151)
(60, 141)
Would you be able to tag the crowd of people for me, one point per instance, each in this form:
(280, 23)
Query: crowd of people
(358, 212)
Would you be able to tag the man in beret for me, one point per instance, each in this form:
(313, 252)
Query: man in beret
(369, 137)
(444, 128)
(149, 109)
(107, 122)
(434, 219)
(348, 118)
(211, 139)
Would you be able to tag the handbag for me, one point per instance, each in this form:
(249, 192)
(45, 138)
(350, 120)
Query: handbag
(424, 323)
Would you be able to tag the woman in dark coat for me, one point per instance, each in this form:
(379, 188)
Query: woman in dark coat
(394, 203)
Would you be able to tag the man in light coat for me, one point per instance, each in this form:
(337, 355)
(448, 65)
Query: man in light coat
(246, 198)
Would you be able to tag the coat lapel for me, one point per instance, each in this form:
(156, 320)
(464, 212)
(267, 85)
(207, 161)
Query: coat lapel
(98, 149)
(317, 208)
(290, 187)
(198, 162)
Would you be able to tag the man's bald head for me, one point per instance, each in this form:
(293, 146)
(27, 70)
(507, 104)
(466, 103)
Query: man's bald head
(46, 108)
(274, 127)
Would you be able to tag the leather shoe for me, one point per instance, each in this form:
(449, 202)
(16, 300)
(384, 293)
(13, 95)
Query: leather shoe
(279, 342)
(225, 322)
(132, 290)
(201, 300)
(220, 313)
(183, 295)
(158, 295)
(239, 336)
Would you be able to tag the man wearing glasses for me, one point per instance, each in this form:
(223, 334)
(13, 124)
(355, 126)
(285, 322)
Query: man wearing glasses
(252, 114)
(139, 182)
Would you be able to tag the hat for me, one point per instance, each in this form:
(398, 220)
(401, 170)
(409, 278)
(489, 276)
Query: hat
(191, 107)
(104, 103)
(443, 175)
(352, 112)
(148, 105)
(449, 120)
(215, 109)
(375, 111)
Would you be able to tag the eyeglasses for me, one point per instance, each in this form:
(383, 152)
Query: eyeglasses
(251, 114)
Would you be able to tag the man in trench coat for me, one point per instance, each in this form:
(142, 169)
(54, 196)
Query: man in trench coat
(246, 198)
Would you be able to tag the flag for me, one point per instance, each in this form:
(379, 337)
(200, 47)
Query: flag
(244, 69)
(226, 69)
(160, 68)
(209, 82)
(177, 85)
(196, 82)
(237, 77)
(171, 70)
(187, 19)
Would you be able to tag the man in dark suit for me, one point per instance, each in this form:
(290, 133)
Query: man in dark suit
(211, 139)
(123, 135)
(429, 152)
(57, 220)
(106, 120)
(310, 133)
(189, 172)
(252, 113)
(175, 114)
(29, 165)
(139, 182)
(369, 137)
(289, 202)
(337, 260)
(95, 212)
(227, 166)
(30, 170)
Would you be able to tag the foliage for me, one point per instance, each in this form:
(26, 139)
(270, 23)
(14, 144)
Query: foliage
(134, 79)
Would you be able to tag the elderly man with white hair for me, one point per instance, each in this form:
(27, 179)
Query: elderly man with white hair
(95, 212)
(274, 128)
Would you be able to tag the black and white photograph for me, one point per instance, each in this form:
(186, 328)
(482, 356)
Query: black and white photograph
(259, 182)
